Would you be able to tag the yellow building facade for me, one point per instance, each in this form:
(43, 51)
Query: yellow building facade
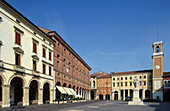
(122, 84)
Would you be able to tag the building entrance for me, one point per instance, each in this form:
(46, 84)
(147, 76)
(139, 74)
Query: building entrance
(92, 95)
(107, 97)
(33, 92)
(46, 93)
(16, 91)
(116, 95)
(100, 97)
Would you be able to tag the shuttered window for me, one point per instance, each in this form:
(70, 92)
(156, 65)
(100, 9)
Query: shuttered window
(17, 38)
(44, 69)
(34, 65)
(17, 59)
(44, 52)
(49, 70)
(49, 55)
(34, 47)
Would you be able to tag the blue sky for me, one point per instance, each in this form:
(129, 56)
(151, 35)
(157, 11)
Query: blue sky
(110, 35)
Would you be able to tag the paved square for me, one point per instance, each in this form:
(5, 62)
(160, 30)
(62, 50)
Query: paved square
(95, 106)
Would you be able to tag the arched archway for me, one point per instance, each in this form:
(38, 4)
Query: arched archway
(100, 97)
(46, 92)
(147, 94)
(16, 91)
(77, 90)
(74, 87)
(69, 86)
(58, 83)
(80, 91)
(58, 93)
(92, 95)
(33, 92)
(107, 97)
(64, 85)
(116, 95)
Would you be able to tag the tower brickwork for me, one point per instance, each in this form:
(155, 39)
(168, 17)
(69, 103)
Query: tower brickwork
(157, 81)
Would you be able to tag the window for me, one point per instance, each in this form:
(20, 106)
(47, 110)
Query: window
(67, 70)
(144, 77)
(17, 38)
(44, 69)
(121, 83)
(49, 70)
(125, 83)
(144, 83)
(34, 47)
(50, 55)
(157, 48)
(94, 84)
(140, 83)
(130, 83)
(125, 78)
(121, 78)
(17, 59)
(130, 78)
(117, 84)
(117, 78)
(34, 65)
(113, 84)
(57, 64)
(140, 77)
(58, 55)
(44, 52)
(113, 79)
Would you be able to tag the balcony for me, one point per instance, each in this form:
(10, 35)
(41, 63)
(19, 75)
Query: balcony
(93, 88)
(36, 73)
(19, 69)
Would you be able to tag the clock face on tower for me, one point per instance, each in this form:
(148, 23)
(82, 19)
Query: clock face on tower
(157, 67)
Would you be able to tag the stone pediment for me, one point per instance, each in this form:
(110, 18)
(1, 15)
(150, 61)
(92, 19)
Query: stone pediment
(35, 57)
(19, 50)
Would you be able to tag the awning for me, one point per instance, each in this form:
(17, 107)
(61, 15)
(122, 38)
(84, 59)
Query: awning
(72, 91)
(68, 91)
(61, 89)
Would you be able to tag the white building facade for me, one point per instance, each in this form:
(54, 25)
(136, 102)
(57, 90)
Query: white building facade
(26, 60)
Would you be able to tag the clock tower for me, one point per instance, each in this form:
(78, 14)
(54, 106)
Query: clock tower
(157, 80)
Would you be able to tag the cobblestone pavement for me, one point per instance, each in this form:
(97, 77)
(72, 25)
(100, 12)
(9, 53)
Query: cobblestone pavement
(94, 106)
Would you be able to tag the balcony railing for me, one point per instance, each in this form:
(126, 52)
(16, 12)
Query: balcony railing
(19, 68)
(36, 73)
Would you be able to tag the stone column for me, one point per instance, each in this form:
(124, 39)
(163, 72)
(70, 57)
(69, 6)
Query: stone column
(119, 95)
(5, 96)
(25, 96)
(40, 96)
(51, 96)
(113, 96)
(104, 97)
(123, 94)
(143, 94)
(128, 92)
(89, 96)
